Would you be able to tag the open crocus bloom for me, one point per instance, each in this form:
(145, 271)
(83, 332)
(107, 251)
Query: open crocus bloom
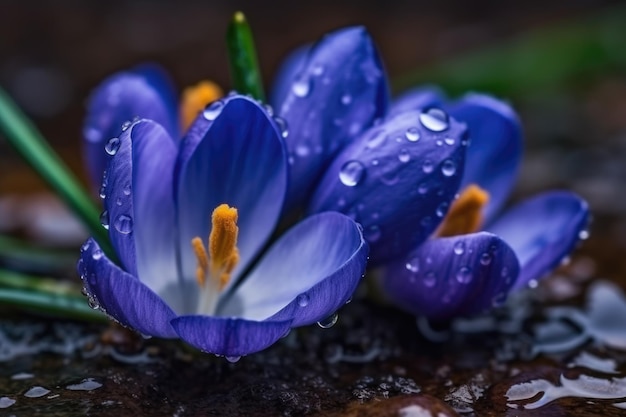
(189, 222)
(397, 170)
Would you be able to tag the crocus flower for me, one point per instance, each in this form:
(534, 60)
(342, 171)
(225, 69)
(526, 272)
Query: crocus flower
(397, 170)
(189, 221)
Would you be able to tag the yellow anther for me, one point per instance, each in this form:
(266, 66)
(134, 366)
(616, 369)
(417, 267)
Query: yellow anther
(465, 214)
(194, 99)
(222, 257)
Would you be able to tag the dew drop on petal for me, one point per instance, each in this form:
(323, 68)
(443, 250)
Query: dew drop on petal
(413, 264)
(126, 125)
(282, 126)
(459, 248)
(404, 156)
(302, 150)
(346, 99)
(434, 119)
(412, 134)
(449, 141)
(351, 173)
(448, 168)
(123, 224)
(485, 258)
(97, 254)
(329, 321)
(213, 110)
(112, 146)
(317, 70)
(583, 235)
(104, 219)
(301, 88)
(442, 209)
(232, 359)
(428, 166)
(430, 279)
(303, 300)
(464, 275)
(126, 189)
(422, 188)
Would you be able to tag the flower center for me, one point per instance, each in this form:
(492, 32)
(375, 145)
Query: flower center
(466, 213)
(217, 263)
(194, 99)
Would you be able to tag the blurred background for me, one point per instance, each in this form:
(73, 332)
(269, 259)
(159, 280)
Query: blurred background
(561, 63)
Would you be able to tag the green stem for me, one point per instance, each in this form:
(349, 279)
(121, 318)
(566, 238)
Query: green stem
(24, 282)
(29, 143)
(244, 66)
(35, 257)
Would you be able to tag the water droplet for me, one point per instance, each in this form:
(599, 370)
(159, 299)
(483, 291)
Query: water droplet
(302, 150)
(104, 219)
(126, 189)
(126, 125)
(103, 192)
(583, 235)
(459, 248)
(93, 303)
(439, 142)
(36, 392)
(428, 166)
(422, 188)
(346, 99)
(123, 224)
(404, 156)
(213, 110)
(485, 258)
(464, 275)
(442, 209)
(97, 254)
(88, 384)
(448, 168)
(85, 246)
(317, 70)
(283, 127)
(351, 173)
(329, 321)
(268, 109)
(232, 359)
(413, 264)
(112, 146)
(412, 134)
(118, 201)
(430, 279)
(301, 88)
(449, 141)
(372, 233)
(434, 119)
(303, 300)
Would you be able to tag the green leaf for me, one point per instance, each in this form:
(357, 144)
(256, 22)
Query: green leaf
(45, 296)
(535, 62)
(16, 252)
(30, 144)
(244, 66)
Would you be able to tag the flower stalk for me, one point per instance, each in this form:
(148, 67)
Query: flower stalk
(244, 66)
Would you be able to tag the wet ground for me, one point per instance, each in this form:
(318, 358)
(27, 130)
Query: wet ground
(558, 350)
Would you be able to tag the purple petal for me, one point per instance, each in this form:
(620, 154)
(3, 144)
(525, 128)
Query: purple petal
(456, 276)
(286, 74)
(495, 152)
(305, 276)
(339, 91)
(122, 296)
(542, 231)
(397, 180)
(417, 99)
(139, 204)
(232, 154)
(120, 98)
(229, 336)
(152, 196)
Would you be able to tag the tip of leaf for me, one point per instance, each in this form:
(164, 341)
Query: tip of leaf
(239, 17)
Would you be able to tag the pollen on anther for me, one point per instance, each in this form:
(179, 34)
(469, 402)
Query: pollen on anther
(465, 214)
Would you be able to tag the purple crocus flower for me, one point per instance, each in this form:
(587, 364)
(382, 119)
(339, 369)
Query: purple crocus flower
(226, 180)
(397, 169)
